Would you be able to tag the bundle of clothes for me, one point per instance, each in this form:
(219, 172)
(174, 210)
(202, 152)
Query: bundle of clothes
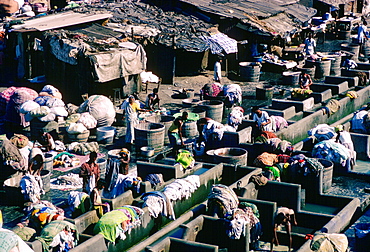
(235, 118)
(272, 164)
(114, 224)
(213, 130)
(360, 122)
(232, 92)
(120, 183)
(237, 215)
(323, 132)
(66, 182)
(11, 159)
(65, 159)
(59, 235)
(79, 201)
(300, 165)
(32, 188)
(332, 151)
(160, 203)
(185, 159)
(154, 179)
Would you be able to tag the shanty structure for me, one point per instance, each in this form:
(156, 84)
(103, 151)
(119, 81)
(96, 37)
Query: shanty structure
(341, 7)
(171, 39)
(84, 57)
(240, 19)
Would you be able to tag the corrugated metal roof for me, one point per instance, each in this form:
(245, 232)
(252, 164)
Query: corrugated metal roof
(60, 20)
(335, 3)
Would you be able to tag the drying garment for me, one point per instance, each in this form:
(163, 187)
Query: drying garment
(186, 159)
(357, 122)
(323, 242)
(122, 184)
(211, 90)
(76, 200)
(266, 159)
(241, 217)
(220, 43)
(352, 94)
(154, 179)
(235, 117)
(108, 223)
(223, 196)
(182, 188)
(53, 229)
(133, 214)
(65, 182)
(332, 106)
(322, 132)
(116, 64)
(32, 188)
(234, 93)
(273, 143)
(111, 173)
(279, 123)
(332, 151)
(285, 147)
(157, 204)
(63, 242)
(214, 129)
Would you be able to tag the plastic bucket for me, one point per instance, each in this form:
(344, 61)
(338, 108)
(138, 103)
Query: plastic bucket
(48, 162)
(105, 135)
(362, 235)
(45, 177)
(236, 156)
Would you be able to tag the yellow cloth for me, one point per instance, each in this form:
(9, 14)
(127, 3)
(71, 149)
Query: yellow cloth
(135, 106)
(173, 128)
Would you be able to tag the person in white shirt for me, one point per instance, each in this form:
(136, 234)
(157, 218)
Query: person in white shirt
(217, 70)
(361, 34)
(262, 119)
(309, 45)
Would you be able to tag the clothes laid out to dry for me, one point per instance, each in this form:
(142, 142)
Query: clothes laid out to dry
(223, 197)
(154, 179)
(161, 202)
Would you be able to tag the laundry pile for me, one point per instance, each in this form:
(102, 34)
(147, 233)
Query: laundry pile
(114, 224)
(154, 179)
(223, 201)
(59, 235)
(161, 202)
(323, 132)
(79, 200)
(119, 184)
(332, 151)
(70, 181)
(360, 122)
(215, 131)
(300, 165)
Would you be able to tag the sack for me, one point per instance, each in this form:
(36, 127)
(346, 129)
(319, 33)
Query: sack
(87, 120)
(76, 128)
(47, 118)
(329, 243)
(72, 119)
(71, 108)
(19, 140)
(101, 108)
(41, 111)
(199, 149)
(28, 106)
(59, 111)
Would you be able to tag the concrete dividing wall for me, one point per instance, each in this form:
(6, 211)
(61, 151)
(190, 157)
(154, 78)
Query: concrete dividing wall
(361, 145)
(298, 131)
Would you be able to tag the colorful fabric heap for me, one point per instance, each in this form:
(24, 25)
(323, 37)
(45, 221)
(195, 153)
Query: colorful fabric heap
(58, 233)
(223, 197)
(300, 165)
(133, 214)
(76, 200)
(109, 225)
(332, 151)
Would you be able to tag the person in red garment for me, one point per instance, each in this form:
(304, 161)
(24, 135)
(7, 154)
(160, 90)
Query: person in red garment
(90, 173)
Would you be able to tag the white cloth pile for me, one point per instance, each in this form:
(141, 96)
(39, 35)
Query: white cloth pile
(213, 127)
(148, 77)
(46, 107)
(323, 132)
(70, 181)
(234, 93)
(32, 188)
(101, 108)
(235, 117)
(182, 188)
